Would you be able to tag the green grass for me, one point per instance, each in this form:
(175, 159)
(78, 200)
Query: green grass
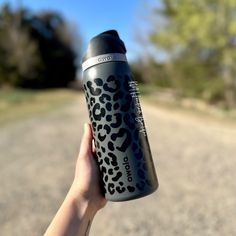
(17, 104)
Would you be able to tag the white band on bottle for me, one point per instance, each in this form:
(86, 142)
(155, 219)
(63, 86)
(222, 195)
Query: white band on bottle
(102, 59)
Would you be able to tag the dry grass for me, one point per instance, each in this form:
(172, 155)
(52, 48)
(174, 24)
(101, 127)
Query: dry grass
(18, 104)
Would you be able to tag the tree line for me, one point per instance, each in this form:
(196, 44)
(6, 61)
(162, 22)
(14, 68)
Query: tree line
(198, 41)
(36, 50)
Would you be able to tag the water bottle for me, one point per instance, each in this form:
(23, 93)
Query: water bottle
(122, 148)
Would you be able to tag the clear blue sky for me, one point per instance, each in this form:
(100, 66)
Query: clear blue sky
(94, 16)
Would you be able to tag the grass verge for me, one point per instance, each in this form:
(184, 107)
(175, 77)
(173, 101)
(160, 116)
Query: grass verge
(18, 104)
(168, 99)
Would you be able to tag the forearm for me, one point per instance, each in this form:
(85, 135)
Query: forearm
(73, 218)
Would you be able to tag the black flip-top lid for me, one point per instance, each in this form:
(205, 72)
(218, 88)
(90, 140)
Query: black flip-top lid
(106, 42)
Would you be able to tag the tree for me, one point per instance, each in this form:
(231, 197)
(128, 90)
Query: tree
(19, 53)
(200, 39)
(36, 50)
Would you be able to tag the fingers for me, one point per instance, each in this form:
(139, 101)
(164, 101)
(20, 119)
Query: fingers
(86, 142)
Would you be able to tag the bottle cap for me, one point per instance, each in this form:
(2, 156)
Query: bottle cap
(104, 43)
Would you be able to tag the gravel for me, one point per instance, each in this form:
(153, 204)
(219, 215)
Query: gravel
(195, 159)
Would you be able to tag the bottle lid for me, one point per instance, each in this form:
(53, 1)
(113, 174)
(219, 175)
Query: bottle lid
(105, 43)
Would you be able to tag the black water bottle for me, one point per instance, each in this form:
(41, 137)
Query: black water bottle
(122, 147)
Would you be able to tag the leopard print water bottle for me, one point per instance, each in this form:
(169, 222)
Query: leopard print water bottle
(122, 147)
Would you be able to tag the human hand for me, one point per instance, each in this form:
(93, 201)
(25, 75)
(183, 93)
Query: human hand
(84, 198)
(87, 181)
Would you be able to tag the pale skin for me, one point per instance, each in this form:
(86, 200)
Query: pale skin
(84, 198)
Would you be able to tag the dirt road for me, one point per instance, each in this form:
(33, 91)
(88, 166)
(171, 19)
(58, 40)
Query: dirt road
(195, 160)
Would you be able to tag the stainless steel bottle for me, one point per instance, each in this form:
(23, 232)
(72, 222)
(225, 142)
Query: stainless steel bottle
(122, 147)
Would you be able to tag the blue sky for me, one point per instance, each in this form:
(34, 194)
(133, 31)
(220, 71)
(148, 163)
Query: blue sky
(93, 17)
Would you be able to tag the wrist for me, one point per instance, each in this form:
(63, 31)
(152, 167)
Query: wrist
(75, 215)
(82, 201)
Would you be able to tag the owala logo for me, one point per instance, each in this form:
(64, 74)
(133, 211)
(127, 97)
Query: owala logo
(105, 59)
(127, 168)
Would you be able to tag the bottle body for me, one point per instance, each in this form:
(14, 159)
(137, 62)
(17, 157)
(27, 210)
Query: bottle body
(122, 147)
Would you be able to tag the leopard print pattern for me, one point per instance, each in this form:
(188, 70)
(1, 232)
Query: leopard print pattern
(112, 113)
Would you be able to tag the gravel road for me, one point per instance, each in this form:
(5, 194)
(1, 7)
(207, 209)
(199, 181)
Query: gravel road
(195, 159)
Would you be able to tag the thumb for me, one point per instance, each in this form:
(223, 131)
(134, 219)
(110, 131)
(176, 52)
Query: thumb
(86, 142)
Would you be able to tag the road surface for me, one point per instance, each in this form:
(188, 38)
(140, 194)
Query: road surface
(195, 159)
